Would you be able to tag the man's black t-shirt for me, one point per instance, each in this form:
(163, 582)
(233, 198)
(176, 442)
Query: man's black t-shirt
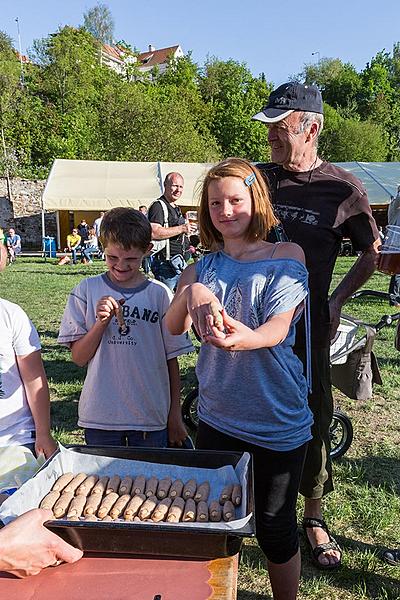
(317, 209)
(177, 244)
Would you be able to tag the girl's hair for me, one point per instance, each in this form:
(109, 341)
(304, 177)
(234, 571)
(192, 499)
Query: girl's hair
(263, 214)
(125, 227)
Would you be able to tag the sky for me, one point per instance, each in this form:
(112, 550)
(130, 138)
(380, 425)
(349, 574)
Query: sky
(277, 38)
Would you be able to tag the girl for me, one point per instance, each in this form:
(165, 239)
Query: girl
(252, 393)
(91, 246)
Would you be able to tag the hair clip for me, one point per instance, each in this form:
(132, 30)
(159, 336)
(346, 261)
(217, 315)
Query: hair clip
(250, 179)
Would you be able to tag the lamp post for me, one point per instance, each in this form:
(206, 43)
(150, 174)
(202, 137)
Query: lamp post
(20, 54)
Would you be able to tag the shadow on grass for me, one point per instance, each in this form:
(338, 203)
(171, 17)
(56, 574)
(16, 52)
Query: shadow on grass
(377, 471)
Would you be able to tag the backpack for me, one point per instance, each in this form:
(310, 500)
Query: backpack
(159, 245)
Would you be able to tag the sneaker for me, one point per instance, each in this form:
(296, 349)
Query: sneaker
(392, 557)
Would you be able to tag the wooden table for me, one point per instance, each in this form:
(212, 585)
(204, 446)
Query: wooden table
(99, 578)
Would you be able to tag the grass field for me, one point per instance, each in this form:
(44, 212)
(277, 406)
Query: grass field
(364, 509)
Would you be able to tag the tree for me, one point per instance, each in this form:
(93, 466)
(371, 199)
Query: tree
(99, 22)
(235, 96)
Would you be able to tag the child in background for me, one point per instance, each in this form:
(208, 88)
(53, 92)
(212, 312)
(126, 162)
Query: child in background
(114, 324)
(24, 392)
(91, 246)
(244, 299)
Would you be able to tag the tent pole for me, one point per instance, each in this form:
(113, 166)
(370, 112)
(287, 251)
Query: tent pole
(58, 229)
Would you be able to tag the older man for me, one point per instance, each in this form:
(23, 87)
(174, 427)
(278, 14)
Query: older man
(318, 204)
(168, 223)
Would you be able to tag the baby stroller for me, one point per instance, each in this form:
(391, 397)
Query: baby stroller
(354, 370)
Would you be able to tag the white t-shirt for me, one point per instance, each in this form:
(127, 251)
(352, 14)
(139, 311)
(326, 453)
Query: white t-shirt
(127, 381)
(18, 338)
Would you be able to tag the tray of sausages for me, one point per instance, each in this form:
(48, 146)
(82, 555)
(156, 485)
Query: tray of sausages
(132, 501)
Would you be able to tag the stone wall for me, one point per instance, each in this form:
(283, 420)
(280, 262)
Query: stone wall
(24, 212)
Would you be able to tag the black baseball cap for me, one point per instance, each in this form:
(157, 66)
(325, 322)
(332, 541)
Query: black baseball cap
(289, 97)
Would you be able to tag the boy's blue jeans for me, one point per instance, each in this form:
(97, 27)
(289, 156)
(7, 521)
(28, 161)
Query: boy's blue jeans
(142, 439)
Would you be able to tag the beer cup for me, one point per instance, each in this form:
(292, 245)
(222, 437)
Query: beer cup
(389, 258)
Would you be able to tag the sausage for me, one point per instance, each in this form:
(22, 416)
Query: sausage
(202, 512)
(151, 486)
(147, 507)
(76, 507)
(176, 488)
(85, 488)
(106, 504)
(189, 489)
(101, 485)
(176, 510)
(215, 511)
(163, 487)
(161, 510)
(92, 504)
(203, 491)
(139, 485)
(62, 481)
(119, 506)
(90, 518)
(49, 500)
(107, 518)
(226, 493)
(189, 512)
(61, 506)
(75, 483)
(216, 313)
(228, 511)
(237, 494)
(132, 508)
(113, 484)
(125, 486)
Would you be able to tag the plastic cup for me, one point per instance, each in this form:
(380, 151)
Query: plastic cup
(389, 259)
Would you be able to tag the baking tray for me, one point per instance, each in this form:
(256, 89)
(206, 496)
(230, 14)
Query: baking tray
(150, 540)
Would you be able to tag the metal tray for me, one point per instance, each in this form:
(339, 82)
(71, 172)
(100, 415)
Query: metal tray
(150, 540)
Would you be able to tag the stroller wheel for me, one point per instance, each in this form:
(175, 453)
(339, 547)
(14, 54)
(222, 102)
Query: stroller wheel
(189, 409)
(341, 434)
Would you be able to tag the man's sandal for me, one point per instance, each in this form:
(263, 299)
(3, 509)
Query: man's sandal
(309, 522)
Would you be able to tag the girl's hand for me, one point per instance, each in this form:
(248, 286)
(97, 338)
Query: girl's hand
(107, 307)
(203, 306)
(236, 337)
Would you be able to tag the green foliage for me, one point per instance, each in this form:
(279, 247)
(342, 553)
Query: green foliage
(99, 22)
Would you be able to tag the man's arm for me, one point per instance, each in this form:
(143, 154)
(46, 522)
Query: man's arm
(359, 273)
(162, 233)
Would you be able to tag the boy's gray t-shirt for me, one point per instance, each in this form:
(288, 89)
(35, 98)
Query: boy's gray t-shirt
(259, 396)
(127, 381)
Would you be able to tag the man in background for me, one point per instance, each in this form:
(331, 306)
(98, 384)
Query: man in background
(318, 205)
(13, 243)
(168, 263)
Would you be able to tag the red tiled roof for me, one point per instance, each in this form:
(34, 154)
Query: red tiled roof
(113, 52)
(23, 58)
(156, 57)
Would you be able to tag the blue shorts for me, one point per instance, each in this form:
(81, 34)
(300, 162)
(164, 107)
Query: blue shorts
(130, 438)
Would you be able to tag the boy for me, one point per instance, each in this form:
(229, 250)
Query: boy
(24, 393)
(114, 324)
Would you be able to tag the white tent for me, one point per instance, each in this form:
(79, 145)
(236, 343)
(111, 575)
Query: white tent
(90, 185)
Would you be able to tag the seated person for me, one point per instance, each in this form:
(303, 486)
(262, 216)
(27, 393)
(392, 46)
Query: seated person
(74, 244)
(91, 246)
(13, 243)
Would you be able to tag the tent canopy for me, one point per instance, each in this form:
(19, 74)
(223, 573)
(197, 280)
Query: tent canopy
(100, 185)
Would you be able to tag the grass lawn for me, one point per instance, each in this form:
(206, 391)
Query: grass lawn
(364, 509)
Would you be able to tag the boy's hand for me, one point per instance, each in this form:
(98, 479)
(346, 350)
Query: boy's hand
(177, 431)
(106, 308)
(45, 444)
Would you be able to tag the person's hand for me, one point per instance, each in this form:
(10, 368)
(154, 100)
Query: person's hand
(177, 431)
(45, 444)
(27, 547)
(106, 308)
(334, 317)
(236, 335)
(200, 301)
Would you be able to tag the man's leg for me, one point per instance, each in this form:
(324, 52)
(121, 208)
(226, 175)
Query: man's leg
(317, 473)
(394, 290)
